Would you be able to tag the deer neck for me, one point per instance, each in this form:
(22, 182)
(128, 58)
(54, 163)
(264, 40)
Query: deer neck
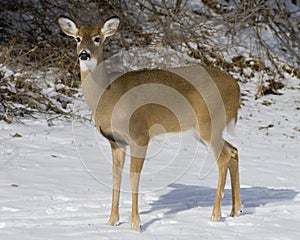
(94, 81)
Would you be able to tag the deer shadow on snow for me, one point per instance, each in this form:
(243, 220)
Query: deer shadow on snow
(183, 197)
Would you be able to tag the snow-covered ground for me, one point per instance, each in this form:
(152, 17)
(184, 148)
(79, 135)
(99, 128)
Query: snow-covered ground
(55, 180)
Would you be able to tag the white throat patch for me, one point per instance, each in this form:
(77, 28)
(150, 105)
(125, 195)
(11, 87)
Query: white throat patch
(88, 65)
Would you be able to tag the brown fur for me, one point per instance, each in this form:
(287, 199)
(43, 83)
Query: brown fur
(141, 104)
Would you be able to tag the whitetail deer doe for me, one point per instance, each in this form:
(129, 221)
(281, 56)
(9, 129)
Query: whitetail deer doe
(141, 104)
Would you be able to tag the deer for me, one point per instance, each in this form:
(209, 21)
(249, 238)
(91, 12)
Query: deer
(136, 106)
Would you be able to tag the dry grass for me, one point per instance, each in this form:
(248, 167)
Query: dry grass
(22, 91)
(31, 48)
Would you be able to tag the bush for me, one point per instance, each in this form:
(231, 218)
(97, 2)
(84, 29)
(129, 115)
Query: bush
(245, 38)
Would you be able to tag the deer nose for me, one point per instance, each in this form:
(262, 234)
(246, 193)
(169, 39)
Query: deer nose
(84, 55)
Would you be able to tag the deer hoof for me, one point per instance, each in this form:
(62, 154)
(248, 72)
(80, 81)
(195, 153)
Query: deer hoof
(113, 223)
(236, 213)
(215, 218)
(136, 227)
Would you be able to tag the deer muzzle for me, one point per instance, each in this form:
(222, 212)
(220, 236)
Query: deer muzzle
(84, 55)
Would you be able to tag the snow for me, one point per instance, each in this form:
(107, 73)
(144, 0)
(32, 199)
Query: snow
(55, 179)
(55, 175)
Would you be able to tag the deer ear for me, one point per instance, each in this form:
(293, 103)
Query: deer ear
(110, 26)
(68, 26)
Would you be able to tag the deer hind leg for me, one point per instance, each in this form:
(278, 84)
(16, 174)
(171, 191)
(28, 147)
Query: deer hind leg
(223, 160)
(118, 157)
(235, 182)
(136, 165)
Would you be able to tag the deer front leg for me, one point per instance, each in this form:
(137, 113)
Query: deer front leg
(118, 157)
(136, 166)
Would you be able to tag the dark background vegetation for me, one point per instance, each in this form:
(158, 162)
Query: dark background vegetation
(262, 35)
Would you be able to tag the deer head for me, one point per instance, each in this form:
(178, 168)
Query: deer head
(90, 40)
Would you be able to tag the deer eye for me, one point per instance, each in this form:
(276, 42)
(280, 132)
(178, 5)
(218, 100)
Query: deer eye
(97, 39)
(78, 39)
